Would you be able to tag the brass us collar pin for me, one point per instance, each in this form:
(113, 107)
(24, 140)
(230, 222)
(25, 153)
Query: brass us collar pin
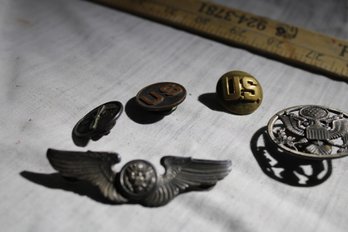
(310, 131)
(161, 97)
(138, 181)
(96, 123)
(239, 92)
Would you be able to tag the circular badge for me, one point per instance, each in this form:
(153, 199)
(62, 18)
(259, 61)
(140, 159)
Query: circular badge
(159, 97)
(311, 131)
(239, 92)
(99, 121)
(138, 178)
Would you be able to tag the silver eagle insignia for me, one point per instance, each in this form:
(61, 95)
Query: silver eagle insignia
(138, 182)
(311, 131)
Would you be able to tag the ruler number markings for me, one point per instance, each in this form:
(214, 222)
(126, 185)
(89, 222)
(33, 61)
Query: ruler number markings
(231, 15)
(238, 31)
(246, 29)
(314, 55)
(344, 51)
(276, 43)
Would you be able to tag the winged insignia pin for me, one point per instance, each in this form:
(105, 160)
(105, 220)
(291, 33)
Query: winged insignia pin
(138, 181)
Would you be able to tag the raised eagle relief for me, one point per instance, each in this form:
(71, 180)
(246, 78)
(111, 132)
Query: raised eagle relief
(311, 131)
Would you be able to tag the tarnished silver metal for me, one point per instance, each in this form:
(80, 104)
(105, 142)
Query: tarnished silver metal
(138, 181)
(97, 123)
(311, 131)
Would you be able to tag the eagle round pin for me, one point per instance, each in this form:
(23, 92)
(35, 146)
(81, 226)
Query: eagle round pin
(310, 131)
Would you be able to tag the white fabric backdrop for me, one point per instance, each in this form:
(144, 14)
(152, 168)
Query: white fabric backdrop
(60, 59)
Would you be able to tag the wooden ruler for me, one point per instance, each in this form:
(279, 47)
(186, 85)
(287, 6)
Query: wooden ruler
(300, 47)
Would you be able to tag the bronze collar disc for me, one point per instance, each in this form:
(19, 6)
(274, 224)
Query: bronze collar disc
(239, 92)
(164, 96)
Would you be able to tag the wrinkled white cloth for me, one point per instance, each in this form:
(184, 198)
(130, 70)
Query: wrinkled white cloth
(60, 59)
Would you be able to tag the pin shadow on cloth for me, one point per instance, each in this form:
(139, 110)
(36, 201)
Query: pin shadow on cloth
(285, 168)
(139, 115)
(137, 182)
(210, 100)
(152, 103)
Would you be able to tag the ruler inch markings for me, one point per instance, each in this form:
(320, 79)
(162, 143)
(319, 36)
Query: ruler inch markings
(290, 44)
